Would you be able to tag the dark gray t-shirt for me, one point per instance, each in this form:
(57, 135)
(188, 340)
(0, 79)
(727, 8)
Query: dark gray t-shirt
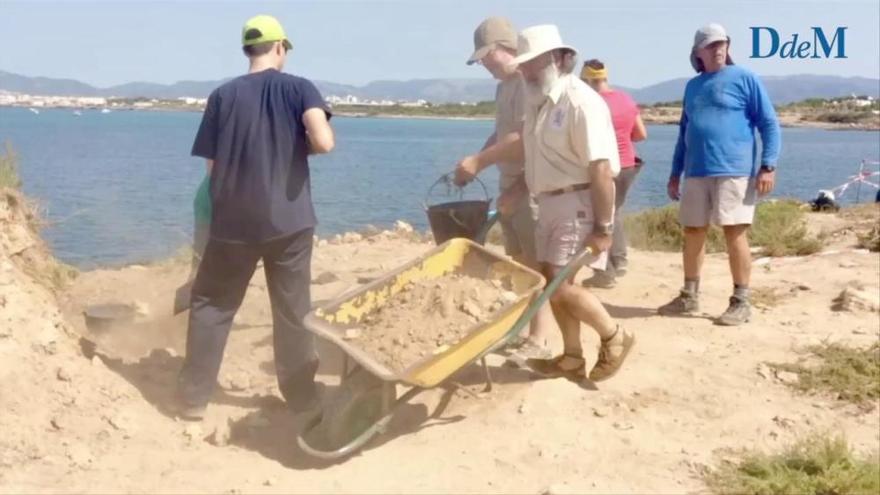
(252, 128)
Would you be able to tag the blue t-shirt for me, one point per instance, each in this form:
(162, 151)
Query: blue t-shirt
(252, 128)
(716, 136)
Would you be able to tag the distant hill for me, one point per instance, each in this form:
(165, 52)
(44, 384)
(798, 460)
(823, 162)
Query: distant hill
(782, 89)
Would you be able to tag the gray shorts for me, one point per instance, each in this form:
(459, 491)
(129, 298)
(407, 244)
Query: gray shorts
(564, 222)
(519, 230)
(718, 200)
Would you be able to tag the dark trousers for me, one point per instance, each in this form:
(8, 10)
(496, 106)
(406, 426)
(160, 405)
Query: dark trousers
(218, 290)
(622, 184)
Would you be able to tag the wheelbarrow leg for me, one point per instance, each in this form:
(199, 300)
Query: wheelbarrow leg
(488, 387)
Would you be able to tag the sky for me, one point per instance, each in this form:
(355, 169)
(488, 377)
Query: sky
(643, 42)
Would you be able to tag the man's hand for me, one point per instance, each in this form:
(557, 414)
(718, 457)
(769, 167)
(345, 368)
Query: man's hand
(509, 199)
(466, 170)
(673, 188)
(599, 243)
(765, 182)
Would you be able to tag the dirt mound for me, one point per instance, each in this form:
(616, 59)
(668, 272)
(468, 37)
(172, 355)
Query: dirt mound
(62, 408)
(428, 316)
(20, 240)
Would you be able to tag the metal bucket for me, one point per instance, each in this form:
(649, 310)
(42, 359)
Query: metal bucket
(463, 218)
(102, 317)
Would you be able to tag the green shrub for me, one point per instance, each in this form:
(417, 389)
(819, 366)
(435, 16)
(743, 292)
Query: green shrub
(818, 465)
(9, 168)
(779, 229)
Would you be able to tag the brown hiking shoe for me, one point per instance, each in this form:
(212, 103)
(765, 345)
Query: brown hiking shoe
(612, 354)
(685, 304)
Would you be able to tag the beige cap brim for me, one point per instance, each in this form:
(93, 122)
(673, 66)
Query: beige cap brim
(525, 57)
(479, 54)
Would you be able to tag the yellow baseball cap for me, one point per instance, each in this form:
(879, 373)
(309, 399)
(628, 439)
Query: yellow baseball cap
(263, 29)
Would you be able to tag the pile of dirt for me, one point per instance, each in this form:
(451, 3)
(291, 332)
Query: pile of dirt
(63, 410)
(428, 316)
(21, 243)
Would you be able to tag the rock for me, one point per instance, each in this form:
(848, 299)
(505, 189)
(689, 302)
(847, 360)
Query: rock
(366, 279)
(764, 371)
(370, 231)
(600, 412)
(122, 422)
(325, 278)
(59, 423)
(522, 409)
(221, 434)
(848, 264)
(804, 287)
(857, 299)
(239, 381)
(783, 422)
(192, 432)
(402, 227)
(19, 239)
(270, 482)
(623, 426)
(554, 489)
(141, 308)
(352, 333)
(447, 304)
(337, 239)
(787, 377)
(322, 243)
(80, 455)
(63, 375)
(352, 237)
(470, 308)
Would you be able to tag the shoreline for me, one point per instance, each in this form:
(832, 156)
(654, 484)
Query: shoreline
(787, 120)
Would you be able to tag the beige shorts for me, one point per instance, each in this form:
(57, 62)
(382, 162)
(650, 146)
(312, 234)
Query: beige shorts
(519, 230)
(564, 222)
(718, 200)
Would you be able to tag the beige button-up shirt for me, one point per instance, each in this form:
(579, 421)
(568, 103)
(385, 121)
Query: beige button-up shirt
(568, 130)
(510, 112)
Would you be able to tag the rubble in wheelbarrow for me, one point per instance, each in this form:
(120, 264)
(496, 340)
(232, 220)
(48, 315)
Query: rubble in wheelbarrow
(427, 317)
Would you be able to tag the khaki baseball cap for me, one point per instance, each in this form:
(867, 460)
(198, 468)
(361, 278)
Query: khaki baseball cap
(263, 29)
(493, 31)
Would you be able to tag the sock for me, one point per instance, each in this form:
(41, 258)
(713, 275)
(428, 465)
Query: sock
(692, 285)
(741, 292)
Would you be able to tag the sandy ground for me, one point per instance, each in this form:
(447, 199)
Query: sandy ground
(79, 417)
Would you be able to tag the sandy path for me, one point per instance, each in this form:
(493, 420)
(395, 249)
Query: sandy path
(690, 394)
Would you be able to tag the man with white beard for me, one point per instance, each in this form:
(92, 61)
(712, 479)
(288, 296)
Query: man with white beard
(571, 159)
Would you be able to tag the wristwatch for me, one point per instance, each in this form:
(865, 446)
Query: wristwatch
(603, 228)
(768, 168)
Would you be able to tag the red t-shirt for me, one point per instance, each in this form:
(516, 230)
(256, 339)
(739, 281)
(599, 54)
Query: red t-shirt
(623, 115)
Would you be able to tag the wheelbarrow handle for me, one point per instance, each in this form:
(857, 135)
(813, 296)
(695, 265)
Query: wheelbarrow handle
(543, 297)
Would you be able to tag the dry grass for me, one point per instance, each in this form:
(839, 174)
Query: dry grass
(9, 168)
(819, 464)
(850, 374)
(779, 229)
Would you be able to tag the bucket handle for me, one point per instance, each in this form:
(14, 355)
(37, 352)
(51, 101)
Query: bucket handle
(447, 179)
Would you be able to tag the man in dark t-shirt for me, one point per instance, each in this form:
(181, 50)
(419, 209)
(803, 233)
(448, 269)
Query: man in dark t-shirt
(256, 134)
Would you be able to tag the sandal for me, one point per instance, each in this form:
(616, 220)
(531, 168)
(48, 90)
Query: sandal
(563, 366)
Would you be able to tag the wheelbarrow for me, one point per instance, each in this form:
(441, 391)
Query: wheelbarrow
(366, 400)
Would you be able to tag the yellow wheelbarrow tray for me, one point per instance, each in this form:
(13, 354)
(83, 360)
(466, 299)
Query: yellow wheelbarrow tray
(364, 378)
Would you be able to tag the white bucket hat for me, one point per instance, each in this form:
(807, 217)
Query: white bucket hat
(537, 40)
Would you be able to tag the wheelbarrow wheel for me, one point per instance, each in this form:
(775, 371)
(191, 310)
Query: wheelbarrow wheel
(350, 417)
